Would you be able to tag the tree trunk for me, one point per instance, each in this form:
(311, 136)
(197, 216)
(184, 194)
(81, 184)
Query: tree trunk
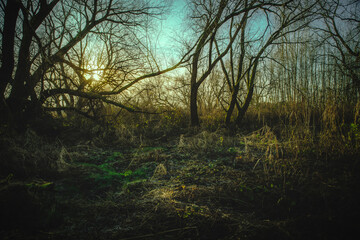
(194, 117)
(18, 98)
(251, 85)
(232, 104)
(11, 12)
(7, 58)
(244, 108)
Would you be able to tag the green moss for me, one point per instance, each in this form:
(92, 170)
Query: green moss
(107, 176)
(39, 184)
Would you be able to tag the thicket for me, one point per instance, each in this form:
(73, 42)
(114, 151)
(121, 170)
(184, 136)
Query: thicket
(245, 136)
(279, 175)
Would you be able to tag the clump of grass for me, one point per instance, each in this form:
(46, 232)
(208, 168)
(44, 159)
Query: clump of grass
(30, 155)
(298, 141)
(339, 134)
(206, 142)
(262, 139)
(264, 149)
(160, 171)
(213, 120)
(146, 155)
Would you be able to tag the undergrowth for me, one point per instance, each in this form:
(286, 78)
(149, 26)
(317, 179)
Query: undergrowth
(154, 178)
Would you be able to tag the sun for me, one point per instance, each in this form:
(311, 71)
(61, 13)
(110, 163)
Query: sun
(94, 73)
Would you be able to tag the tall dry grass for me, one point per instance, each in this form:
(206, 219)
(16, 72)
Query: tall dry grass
(29, 155)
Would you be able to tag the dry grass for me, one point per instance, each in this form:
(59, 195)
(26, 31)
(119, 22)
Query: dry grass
(230, 183)
(278, 181)
(31, 155)
(207, 142)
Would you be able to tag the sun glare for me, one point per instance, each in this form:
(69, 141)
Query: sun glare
(94, 73)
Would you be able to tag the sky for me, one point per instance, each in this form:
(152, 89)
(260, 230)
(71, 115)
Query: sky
(175, 26)
(163, 40)
(172, 27)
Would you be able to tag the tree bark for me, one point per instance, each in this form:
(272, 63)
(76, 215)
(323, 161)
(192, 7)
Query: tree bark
(232, 104)
(251, 85)
(8, 42)
(244, 108)
(209, 29)
(194, 117)
(236, 87)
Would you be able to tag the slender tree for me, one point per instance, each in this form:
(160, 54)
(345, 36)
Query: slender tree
(238, 17)
(340, 28)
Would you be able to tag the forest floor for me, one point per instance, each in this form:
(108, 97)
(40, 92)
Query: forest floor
(203, 186)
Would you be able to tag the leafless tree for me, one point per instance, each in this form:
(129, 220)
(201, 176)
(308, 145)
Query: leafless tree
(237, 18)
(341, 31)
(50, 50)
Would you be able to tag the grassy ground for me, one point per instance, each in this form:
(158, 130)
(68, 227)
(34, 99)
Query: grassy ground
(195, 185)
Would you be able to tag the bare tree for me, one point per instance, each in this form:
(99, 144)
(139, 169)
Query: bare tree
(281, 20)
(214, 17)
(48, 50)
(341, 30)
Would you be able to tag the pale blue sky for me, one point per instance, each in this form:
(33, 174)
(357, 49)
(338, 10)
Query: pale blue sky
(173, 27)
